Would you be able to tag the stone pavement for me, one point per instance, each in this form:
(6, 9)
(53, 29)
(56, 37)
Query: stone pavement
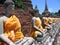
(57, 39)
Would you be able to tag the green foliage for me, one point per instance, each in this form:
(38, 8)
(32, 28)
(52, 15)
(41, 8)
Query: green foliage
(19, 4)
(59, 11)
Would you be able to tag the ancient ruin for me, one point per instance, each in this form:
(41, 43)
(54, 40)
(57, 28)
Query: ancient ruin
(25, 14)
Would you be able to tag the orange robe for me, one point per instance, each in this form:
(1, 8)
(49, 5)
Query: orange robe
(46, 21)
(37, 24)
(51, 20)
(13, 24)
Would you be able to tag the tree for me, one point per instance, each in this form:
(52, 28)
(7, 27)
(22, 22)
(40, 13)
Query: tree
(58, 13)
(19, 4)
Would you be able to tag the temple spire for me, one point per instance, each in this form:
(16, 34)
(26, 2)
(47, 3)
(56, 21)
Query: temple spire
(46, 7)
(36, 11)
(46, 11)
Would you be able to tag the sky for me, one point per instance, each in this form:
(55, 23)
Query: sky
(53, 5)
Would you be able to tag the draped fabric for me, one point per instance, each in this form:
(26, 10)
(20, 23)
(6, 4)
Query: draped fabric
(12, 28)
(38, 23)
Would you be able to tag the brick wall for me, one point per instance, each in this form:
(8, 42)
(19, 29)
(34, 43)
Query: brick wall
(26, 20)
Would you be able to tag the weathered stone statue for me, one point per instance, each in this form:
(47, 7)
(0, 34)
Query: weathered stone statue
(12, 26)
(37, 27)
(46, 23)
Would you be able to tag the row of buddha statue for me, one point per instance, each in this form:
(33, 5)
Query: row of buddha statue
(38, 25)
(12, 25)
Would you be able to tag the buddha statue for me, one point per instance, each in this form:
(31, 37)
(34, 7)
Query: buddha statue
(12, 25)
(47, 22)
(37, 27)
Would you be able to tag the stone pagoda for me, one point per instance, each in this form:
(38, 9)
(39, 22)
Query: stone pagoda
(46, 11)
(36, 11)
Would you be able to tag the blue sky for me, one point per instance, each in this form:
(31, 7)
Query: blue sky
(53, 5)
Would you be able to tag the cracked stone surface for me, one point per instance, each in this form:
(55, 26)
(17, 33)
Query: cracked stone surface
(57, 38)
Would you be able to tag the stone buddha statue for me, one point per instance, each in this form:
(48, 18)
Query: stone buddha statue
(37, 27)
(46, 21)
(12, 25)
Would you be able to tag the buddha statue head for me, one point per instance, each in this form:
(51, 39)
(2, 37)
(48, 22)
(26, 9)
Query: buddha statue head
(9, 7)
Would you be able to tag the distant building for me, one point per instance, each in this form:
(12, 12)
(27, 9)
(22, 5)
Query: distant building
(36, 11)
(46, 11)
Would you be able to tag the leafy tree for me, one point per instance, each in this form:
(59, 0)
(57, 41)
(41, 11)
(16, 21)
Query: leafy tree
(59, 11)
(19, 4)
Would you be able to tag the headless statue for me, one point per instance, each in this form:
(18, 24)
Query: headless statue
(47, 22)
(37, 27)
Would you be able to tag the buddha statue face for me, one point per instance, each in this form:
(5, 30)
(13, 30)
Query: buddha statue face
(9, 8)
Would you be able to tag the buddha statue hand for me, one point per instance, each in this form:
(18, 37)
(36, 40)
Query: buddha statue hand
(5, 39)
(38, 34)
(48, 27)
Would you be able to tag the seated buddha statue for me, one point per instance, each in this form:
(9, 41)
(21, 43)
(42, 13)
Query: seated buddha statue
(12, 25)
(46, 22)
(37, 27)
